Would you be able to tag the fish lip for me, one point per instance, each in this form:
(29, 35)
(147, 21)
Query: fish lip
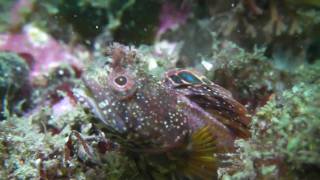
(81, 96)
(84, 97)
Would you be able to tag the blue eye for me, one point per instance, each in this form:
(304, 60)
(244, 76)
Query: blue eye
(188, 77)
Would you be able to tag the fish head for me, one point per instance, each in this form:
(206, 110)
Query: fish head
(134, 107)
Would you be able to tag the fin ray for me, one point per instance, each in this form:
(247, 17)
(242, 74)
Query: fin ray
(201, 162)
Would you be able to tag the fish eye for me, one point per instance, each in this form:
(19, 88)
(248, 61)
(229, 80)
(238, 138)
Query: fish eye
(121, 80)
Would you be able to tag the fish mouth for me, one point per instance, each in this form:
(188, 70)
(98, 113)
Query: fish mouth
(85, 98)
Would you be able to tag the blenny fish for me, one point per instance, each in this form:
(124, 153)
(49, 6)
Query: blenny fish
(180, 123)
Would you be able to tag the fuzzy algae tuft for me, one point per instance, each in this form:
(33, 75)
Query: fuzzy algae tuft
(14, 82)
(295, 119)
(33, 147)
(284, 142)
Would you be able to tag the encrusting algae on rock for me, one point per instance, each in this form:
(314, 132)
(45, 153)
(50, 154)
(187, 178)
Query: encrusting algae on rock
(181, 126)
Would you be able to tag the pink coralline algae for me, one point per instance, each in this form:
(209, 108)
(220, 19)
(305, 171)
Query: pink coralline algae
(40, 50)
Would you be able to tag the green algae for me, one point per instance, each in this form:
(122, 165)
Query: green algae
(14, 82)
(284, 132)
(296, 121)
(5, 14)
(30, 148)
(14, 71)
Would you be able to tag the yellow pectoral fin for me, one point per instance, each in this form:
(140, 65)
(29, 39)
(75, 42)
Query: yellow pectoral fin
(201, 162)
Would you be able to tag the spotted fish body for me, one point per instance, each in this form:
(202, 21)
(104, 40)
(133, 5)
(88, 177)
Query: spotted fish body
(185, 114)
